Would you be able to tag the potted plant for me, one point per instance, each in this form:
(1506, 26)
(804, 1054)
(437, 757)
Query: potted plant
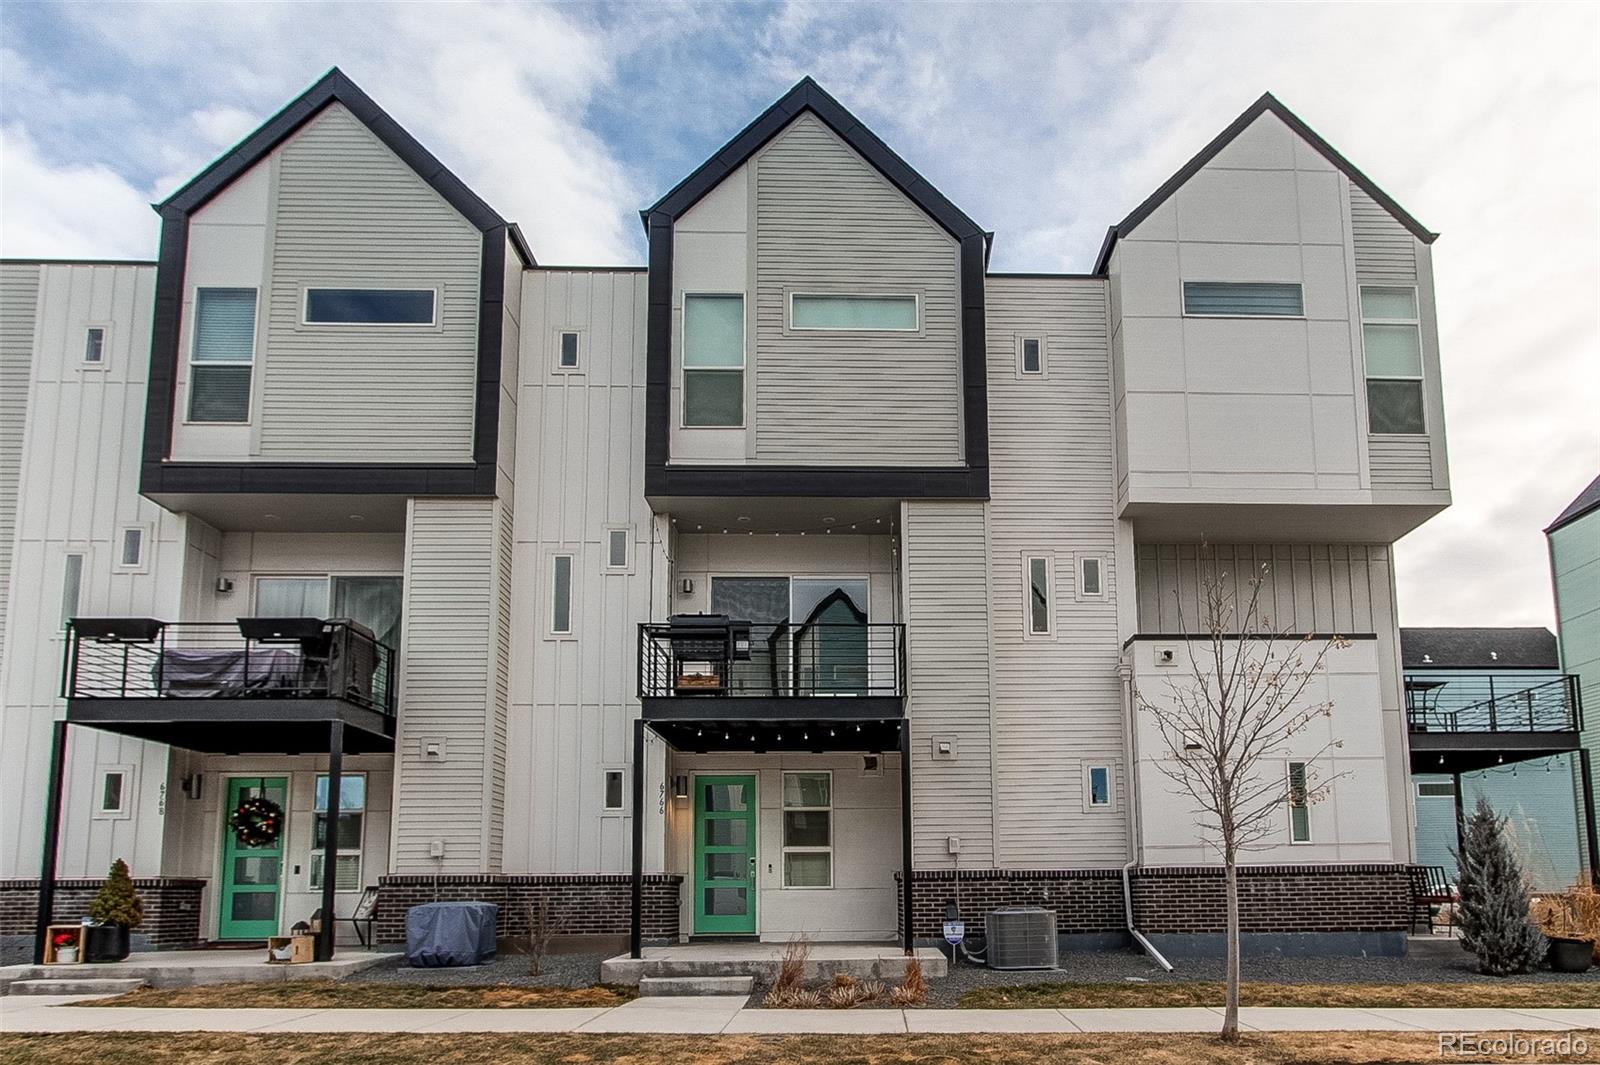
(1571, 949)
(66, 944)
(115, 910)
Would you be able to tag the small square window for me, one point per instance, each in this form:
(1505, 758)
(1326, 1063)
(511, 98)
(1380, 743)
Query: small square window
(617, 549)
(94, 345)
(1032, 355)
(613, 789)
(567, 357)
(130, 548)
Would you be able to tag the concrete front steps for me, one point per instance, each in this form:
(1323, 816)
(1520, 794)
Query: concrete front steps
(88, 985)
(696, 985)
(761, 961)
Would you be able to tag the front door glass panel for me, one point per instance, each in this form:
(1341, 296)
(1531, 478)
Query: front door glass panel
(724, 855)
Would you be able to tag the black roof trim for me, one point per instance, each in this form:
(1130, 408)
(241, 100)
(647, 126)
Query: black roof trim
(1469, 647)
(334, 86)
(1588, 500)
(525, 253)
(1042, 275)
(9, 260)
(597, 269)
(1267, 102)
(807, 95)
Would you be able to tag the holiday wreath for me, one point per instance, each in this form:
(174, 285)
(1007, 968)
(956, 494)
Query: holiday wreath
(256, 822)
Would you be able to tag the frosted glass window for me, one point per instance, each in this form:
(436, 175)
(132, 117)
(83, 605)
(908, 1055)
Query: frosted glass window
(854, 312)
(1399, 304)
(1391, 342)
(1243, 299)
(1392, 350)
(561, 594)
(224, 345)
(713, 361)
(292, 597)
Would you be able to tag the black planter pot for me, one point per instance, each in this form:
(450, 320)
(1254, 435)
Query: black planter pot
(1571, 955)
(105, 942)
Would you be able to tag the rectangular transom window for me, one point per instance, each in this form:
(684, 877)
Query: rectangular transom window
(369, 306)
(560, 595)
(352, 812)
(808, 830)
(613, 798)
(1391, 344)
(1038, 608)
(713, 361)
(1248, 299)
(94, 345)
(224, 348)
(868, 313)
(1299, 804)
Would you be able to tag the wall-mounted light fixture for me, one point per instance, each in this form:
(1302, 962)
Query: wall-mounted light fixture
(190, 785)
(224, 586)
(680, 786)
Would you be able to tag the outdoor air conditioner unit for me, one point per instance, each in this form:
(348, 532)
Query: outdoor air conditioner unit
(1021, 938)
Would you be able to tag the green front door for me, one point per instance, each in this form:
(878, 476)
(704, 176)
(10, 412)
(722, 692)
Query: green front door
(725, 855)
(251, 876)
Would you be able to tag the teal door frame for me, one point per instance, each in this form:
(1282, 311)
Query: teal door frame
(231, 853)
(745, 856)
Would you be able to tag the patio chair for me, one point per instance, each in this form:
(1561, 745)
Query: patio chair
(1429, 888)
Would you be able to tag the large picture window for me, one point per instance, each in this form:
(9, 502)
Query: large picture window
(352, 812)
(222, 354)
(1391, 343)
(856, 313)
(808, 830)
(713, 361)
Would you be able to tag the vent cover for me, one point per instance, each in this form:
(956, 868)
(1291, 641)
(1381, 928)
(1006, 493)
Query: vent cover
(1021, 938)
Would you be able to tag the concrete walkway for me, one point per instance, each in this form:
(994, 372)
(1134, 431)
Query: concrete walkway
(726, 1015)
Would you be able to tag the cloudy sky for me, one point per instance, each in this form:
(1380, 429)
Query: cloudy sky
(1045, 123)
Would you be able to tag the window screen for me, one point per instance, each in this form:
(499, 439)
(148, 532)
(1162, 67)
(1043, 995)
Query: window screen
(854, 312)
(369, 306)
(1248, 299)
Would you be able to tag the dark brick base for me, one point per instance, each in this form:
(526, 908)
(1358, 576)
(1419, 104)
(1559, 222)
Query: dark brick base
(171, 908)
(585, 904)
(1273, 899)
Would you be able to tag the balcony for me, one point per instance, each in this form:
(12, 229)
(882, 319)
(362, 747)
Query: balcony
(1483, 720)
(251, 685)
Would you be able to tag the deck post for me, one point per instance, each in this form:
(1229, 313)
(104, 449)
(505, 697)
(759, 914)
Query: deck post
(1591, 835)
(330, 842)
(1461, 823)
(52, 839)
(905, 837)
(635, 931)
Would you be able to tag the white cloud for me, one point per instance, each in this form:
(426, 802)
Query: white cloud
(68, 211)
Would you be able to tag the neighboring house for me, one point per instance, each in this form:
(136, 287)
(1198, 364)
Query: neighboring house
(1574, 539)
(1477, 684)
(458, 498)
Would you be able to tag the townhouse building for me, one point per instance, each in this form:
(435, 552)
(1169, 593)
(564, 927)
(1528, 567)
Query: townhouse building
(798, 580)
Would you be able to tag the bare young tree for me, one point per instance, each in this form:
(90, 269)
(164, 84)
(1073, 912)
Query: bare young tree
(543, 926)
(1229, 727)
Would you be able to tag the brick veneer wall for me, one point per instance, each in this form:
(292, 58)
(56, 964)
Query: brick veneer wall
(171, 908)
(1186, 899)
(587, 904)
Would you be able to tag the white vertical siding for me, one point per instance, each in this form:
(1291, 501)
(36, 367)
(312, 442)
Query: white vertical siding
(1057, 700)
(946, 580)
(826, 222)
(349, 212)
(19, 295)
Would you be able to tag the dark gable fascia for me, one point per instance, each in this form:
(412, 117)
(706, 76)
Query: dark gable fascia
(970, 481)
(1267, 102)
(158, 476)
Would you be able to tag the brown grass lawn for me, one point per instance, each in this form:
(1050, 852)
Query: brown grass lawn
(1337, 1048)
(327, 994)
(1584, 995)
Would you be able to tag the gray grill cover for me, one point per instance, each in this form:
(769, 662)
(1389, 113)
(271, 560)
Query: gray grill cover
(439, 934)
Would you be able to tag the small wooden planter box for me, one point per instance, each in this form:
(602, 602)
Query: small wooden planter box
(699, 682)
(303, 947)
(50, 948)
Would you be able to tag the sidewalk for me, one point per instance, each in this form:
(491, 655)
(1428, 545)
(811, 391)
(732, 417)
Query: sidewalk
(727, 1015)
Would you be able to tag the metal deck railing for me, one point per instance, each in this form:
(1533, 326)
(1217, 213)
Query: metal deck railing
(784, 660)
(1489, 704)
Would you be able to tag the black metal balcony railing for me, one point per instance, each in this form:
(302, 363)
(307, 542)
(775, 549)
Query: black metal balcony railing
(253, 658)
(1492, 704)
(785, 660)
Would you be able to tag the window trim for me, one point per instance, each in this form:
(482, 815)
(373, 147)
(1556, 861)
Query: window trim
(1183, 300)
(123, 811)
(1100, 562)
(1305, 802)
(743, 369)
(627, 551)
(1028, 559)
(318, 852)
(1022, 358)
(606, 809)
(1089, 805)
(1421, 376)
(105, 346)
(250, 364)
(784, 849)
(308, 287)
(914, 296)
(140, 564)
(551, 632)
(560, 334)
(68, 612)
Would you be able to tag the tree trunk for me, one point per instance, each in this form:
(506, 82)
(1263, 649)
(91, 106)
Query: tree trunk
(1230, 1016)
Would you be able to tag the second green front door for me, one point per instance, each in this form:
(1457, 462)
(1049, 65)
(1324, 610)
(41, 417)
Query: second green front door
(725, 855)
(251, 876)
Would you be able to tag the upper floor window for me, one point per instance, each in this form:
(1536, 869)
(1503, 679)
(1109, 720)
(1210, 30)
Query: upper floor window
(130, 549)
(71, 587)
(1246, 299)
(1391, 344)
(561, 595)
(567, 351)
(1038, 609)
(876, 313)
(370, 306)
(1030, 355)
(94, 346)
(224, 348)
(713, 361)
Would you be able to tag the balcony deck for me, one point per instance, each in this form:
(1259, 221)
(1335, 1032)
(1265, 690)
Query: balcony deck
(1459, 723)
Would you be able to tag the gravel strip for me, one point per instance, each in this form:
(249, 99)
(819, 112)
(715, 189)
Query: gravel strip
(560, 970)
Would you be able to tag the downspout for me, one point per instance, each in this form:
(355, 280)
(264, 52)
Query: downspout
(1131, 786)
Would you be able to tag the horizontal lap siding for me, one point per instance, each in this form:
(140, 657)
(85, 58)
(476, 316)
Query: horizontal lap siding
(946, 573)
(1401, 463)
(1057, 703)
(1385, 249)
(19, 297)
(350, 213)
(826, 222)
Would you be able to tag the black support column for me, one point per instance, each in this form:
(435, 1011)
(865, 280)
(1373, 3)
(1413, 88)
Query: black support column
(1589, 830)
(52, 839)
(1461, 823)
(635, 930)
(330, 843)
(905, 836)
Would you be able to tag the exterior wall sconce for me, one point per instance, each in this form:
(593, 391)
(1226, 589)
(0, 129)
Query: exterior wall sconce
(190, 785)
(680, 786)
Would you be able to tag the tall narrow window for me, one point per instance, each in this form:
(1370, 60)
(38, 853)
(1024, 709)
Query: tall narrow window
(567, 353)
(352, 811)
(1243, 299)
(808, 830)
(713, 361)
(224, 348)
(94, 345)
(131, 549)
(1039, 596)
(1032, 355)
(1091, 584)
(1099, 785)
(613, 789)
(616, 549)
(561, 595)
(1299, 804)
(71, 587)
(113, 786)
(1391, 341)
